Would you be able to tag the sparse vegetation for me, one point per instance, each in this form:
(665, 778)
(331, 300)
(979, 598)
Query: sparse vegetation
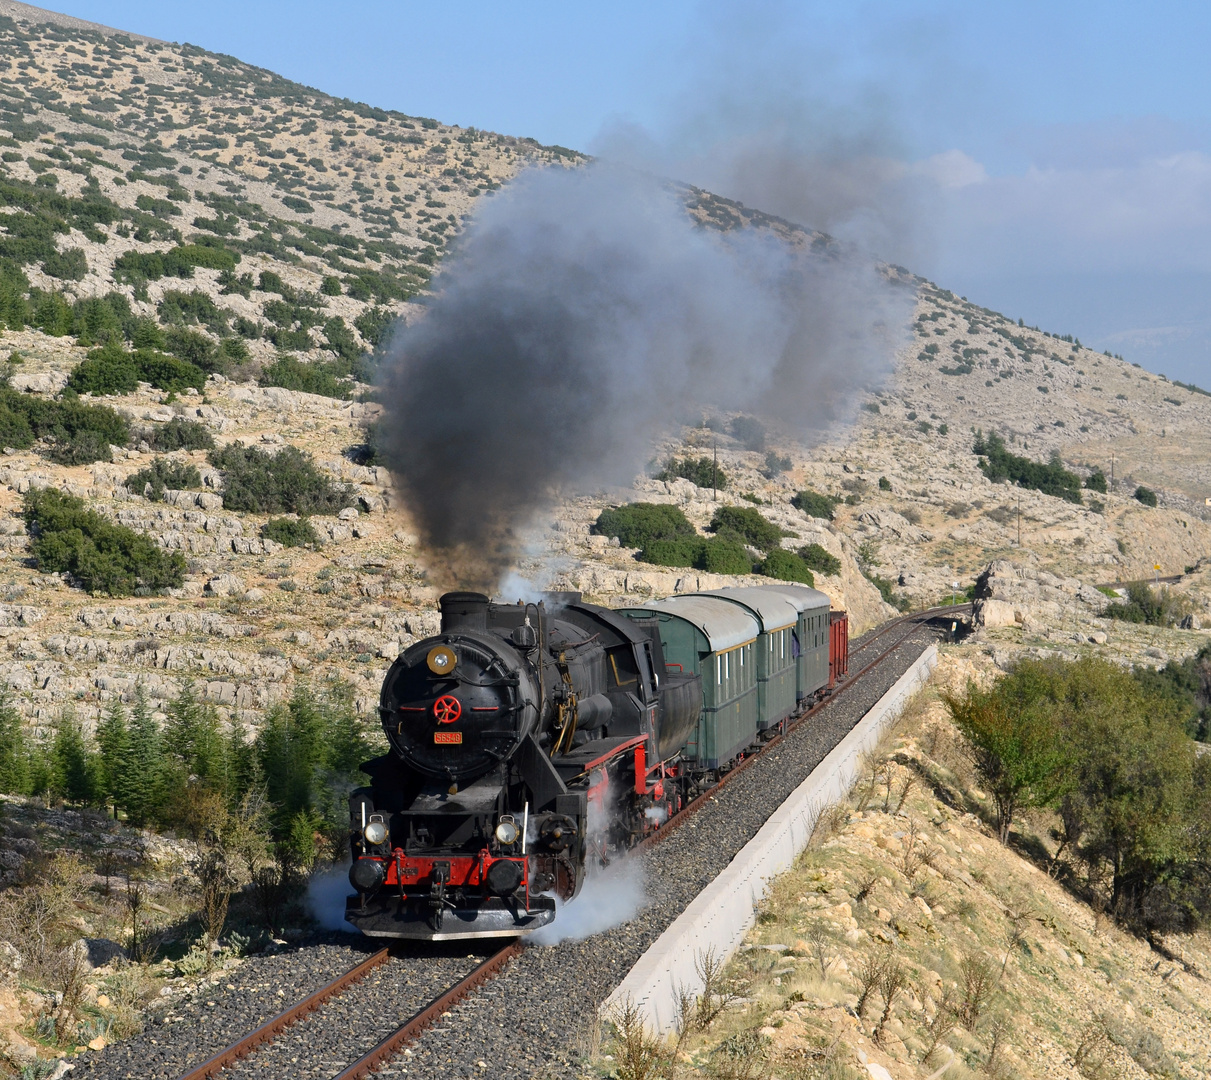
(290, 532)
(1000, 466)
(638, 525)
(99, 555)
(815, 505)
(283, 483)
(702, 472)
(161, 475)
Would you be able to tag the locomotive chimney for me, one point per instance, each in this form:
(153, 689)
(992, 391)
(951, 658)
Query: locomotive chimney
(464, 611)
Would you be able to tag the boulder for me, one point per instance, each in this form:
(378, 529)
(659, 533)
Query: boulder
(102, 951)
(994, 613)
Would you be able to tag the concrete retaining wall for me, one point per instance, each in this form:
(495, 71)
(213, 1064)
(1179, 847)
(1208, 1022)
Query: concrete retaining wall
(720, 916)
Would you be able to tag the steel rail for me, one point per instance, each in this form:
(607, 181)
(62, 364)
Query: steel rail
(269, 1031)
(411, 1030)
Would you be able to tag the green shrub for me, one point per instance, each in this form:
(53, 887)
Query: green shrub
(813, 504)
(106, 371)
(290, 532)
(136, 267)
(1096, 481)
(999, 465)
(146, 334)
(746, 524)
(193, 347)
(1145, 495)
(681, 551)
(179, 307)
(331, 285)
(285, 483)
(373, 323)
(15, 431)
(111, 370)
(69, 265)
(718, 556)
(233, 350)
(180, 434)
(101, 556)
(637, 525)
(887, 590)
(164, 474)
(1186, 686)
(702, 472)
(211, 257)
(884, 484)
(775, 464)
(313, 378)
(98, 320)
(1144, 604)
(786, 566)
(820, 559)
(77, 433)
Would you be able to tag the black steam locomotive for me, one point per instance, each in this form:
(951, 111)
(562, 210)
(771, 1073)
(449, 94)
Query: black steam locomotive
(529, 740)
(520, 741)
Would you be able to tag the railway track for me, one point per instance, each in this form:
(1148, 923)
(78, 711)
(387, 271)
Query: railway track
(867, 654)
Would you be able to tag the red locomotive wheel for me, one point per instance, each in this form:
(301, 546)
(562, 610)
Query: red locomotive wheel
(447, 709)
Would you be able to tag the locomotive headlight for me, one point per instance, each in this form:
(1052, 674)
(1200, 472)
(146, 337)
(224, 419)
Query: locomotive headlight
(507, 831)
(375, 832)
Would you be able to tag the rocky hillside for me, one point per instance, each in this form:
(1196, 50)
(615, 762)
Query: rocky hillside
(185, 208)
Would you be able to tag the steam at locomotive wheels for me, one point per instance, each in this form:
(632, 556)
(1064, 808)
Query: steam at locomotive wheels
(530, 741)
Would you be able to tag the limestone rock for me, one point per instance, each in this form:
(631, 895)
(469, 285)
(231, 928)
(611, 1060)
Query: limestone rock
(993, 613)
(225, 585)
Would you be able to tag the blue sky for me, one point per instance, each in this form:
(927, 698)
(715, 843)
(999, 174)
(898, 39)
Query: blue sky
(1052, 161)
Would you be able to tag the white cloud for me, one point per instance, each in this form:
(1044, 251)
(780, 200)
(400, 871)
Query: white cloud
(951, 169)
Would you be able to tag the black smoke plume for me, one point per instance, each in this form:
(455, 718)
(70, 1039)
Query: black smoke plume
(586, 313)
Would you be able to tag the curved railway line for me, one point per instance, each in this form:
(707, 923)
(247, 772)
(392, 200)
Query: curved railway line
(314, 1038)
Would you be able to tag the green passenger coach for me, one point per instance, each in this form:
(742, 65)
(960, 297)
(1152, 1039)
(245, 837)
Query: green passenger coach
(777, 677)
(716, 639)
(811, 637)
(762, 652)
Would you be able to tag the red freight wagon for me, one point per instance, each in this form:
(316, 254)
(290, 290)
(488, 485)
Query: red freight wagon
(838, 646)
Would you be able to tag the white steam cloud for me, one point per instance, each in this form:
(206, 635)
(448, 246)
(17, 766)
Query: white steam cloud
(611, 896)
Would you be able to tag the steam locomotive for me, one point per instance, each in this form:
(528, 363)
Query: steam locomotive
(528, 741)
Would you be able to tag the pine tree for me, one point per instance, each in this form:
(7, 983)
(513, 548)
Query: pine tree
(113, 737)
(142, 790)
(15, 777)
(75, 767)
(243, 770)
(193, 739)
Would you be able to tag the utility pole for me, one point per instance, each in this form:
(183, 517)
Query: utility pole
(1019, 518)
(715, 475)
(1111, 472)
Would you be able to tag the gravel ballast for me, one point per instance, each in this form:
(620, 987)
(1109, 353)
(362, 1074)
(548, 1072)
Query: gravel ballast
(196, 1025)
